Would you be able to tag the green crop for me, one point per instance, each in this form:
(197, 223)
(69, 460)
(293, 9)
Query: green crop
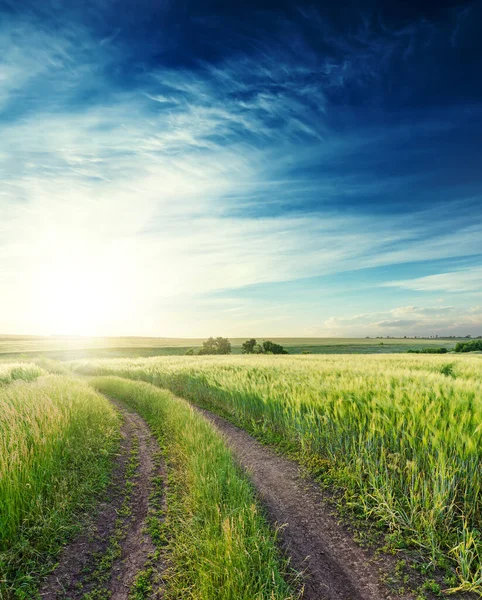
(401, 434)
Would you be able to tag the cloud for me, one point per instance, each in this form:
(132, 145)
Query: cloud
(410, 321)
(179, 182)
(463, 281)
(399, 323)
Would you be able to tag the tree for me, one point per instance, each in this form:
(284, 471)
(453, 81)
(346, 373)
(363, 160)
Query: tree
(272, 348)
(217, 345)
(252, 347)
(248, 346)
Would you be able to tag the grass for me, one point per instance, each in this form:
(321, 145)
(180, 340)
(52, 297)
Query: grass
(401, 435)
(57, 438)
(10, 372)
(218, 543)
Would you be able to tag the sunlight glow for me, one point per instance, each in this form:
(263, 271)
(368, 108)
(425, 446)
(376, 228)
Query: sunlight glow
(74, 299)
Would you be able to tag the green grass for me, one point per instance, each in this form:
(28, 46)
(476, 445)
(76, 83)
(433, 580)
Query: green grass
(218, 543)
(10, 372)
(57, 437)
(400, 434)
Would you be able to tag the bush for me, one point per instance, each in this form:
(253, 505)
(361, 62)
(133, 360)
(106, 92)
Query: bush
(428, 351)
(472, 346)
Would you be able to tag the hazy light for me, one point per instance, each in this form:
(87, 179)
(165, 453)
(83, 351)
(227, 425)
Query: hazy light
(74, 299)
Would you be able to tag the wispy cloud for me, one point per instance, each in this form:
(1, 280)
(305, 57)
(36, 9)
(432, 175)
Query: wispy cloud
(182, 181)
(409, 320)
(466, 280)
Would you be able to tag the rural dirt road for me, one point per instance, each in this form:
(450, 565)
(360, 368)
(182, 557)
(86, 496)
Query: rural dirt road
(107, 556)
(335, 567)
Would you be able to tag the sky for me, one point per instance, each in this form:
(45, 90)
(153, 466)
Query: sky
(194, 168)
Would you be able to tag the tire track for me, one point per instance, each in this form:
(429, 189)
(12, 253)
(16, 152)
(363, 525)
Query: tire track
(334, 567)
(78, 574)
(137, 545)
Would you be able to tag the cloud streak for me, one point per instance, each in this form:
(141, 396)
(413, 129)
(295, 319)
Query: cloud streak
(178, 182)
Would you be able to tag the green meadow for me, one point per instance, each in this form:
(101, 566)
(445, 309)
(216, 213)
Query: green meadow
(400, 435)
(397, 438)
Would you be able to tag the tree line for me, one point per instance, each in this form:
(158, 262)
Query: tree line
(220, 345)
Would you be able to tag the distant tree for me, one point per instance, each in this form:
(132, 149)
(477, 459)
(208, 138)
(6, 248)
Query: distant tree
(272, 348)
(190, 352)
(217, 345)
(253, 347)
(248, 346)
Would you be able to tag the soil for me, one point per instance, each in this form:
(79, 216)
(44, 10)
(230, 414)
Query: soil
(137, 545)
(71, 578)
(333, 566)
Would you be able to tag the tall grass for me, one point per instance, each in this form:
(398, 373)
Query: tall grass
(401, 434)
(219, 545)
(10, 372)
(56, 440)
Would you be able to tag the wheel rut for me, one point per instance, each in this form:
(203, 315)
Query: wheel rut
(333, 566)
(103, 561)
(137, 546)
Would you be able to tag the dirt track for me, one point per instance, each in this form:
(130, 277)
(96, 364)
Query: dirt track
(335, 567)
(78, 573)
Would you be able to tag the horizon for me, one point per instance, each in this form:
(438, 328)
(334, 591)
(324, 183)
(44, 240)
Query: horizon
(189, 168)
(421, 336)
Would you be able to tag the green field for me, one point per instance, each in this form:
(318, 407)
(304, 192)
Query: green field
(57, 438)
(71, 348)
(395, 438)
(400, 435)
(59, 444)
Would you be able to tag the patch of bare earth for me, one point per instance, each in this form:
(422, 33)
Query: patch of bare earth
(333, 565)
(72, 579)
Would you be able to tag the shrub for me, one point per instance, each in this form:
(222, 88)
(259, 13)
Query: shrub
(441, 350)
(472, 346)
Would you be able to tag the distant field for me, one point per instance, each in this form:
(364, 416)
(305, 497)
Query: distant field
(69, 348)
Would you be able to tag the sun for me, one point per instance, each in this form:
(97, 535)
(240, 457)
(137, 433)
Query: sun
(74, 298)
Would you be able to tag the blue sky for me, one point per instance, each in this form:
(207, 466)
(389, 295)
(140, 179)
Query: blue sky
(240, 168)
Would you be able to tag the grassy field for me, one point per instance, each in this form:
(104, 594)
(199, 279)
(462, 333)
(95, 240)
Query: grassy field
(398, 437)
(72, 348)
(57, 437)
(218, 543)
(400, 434)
